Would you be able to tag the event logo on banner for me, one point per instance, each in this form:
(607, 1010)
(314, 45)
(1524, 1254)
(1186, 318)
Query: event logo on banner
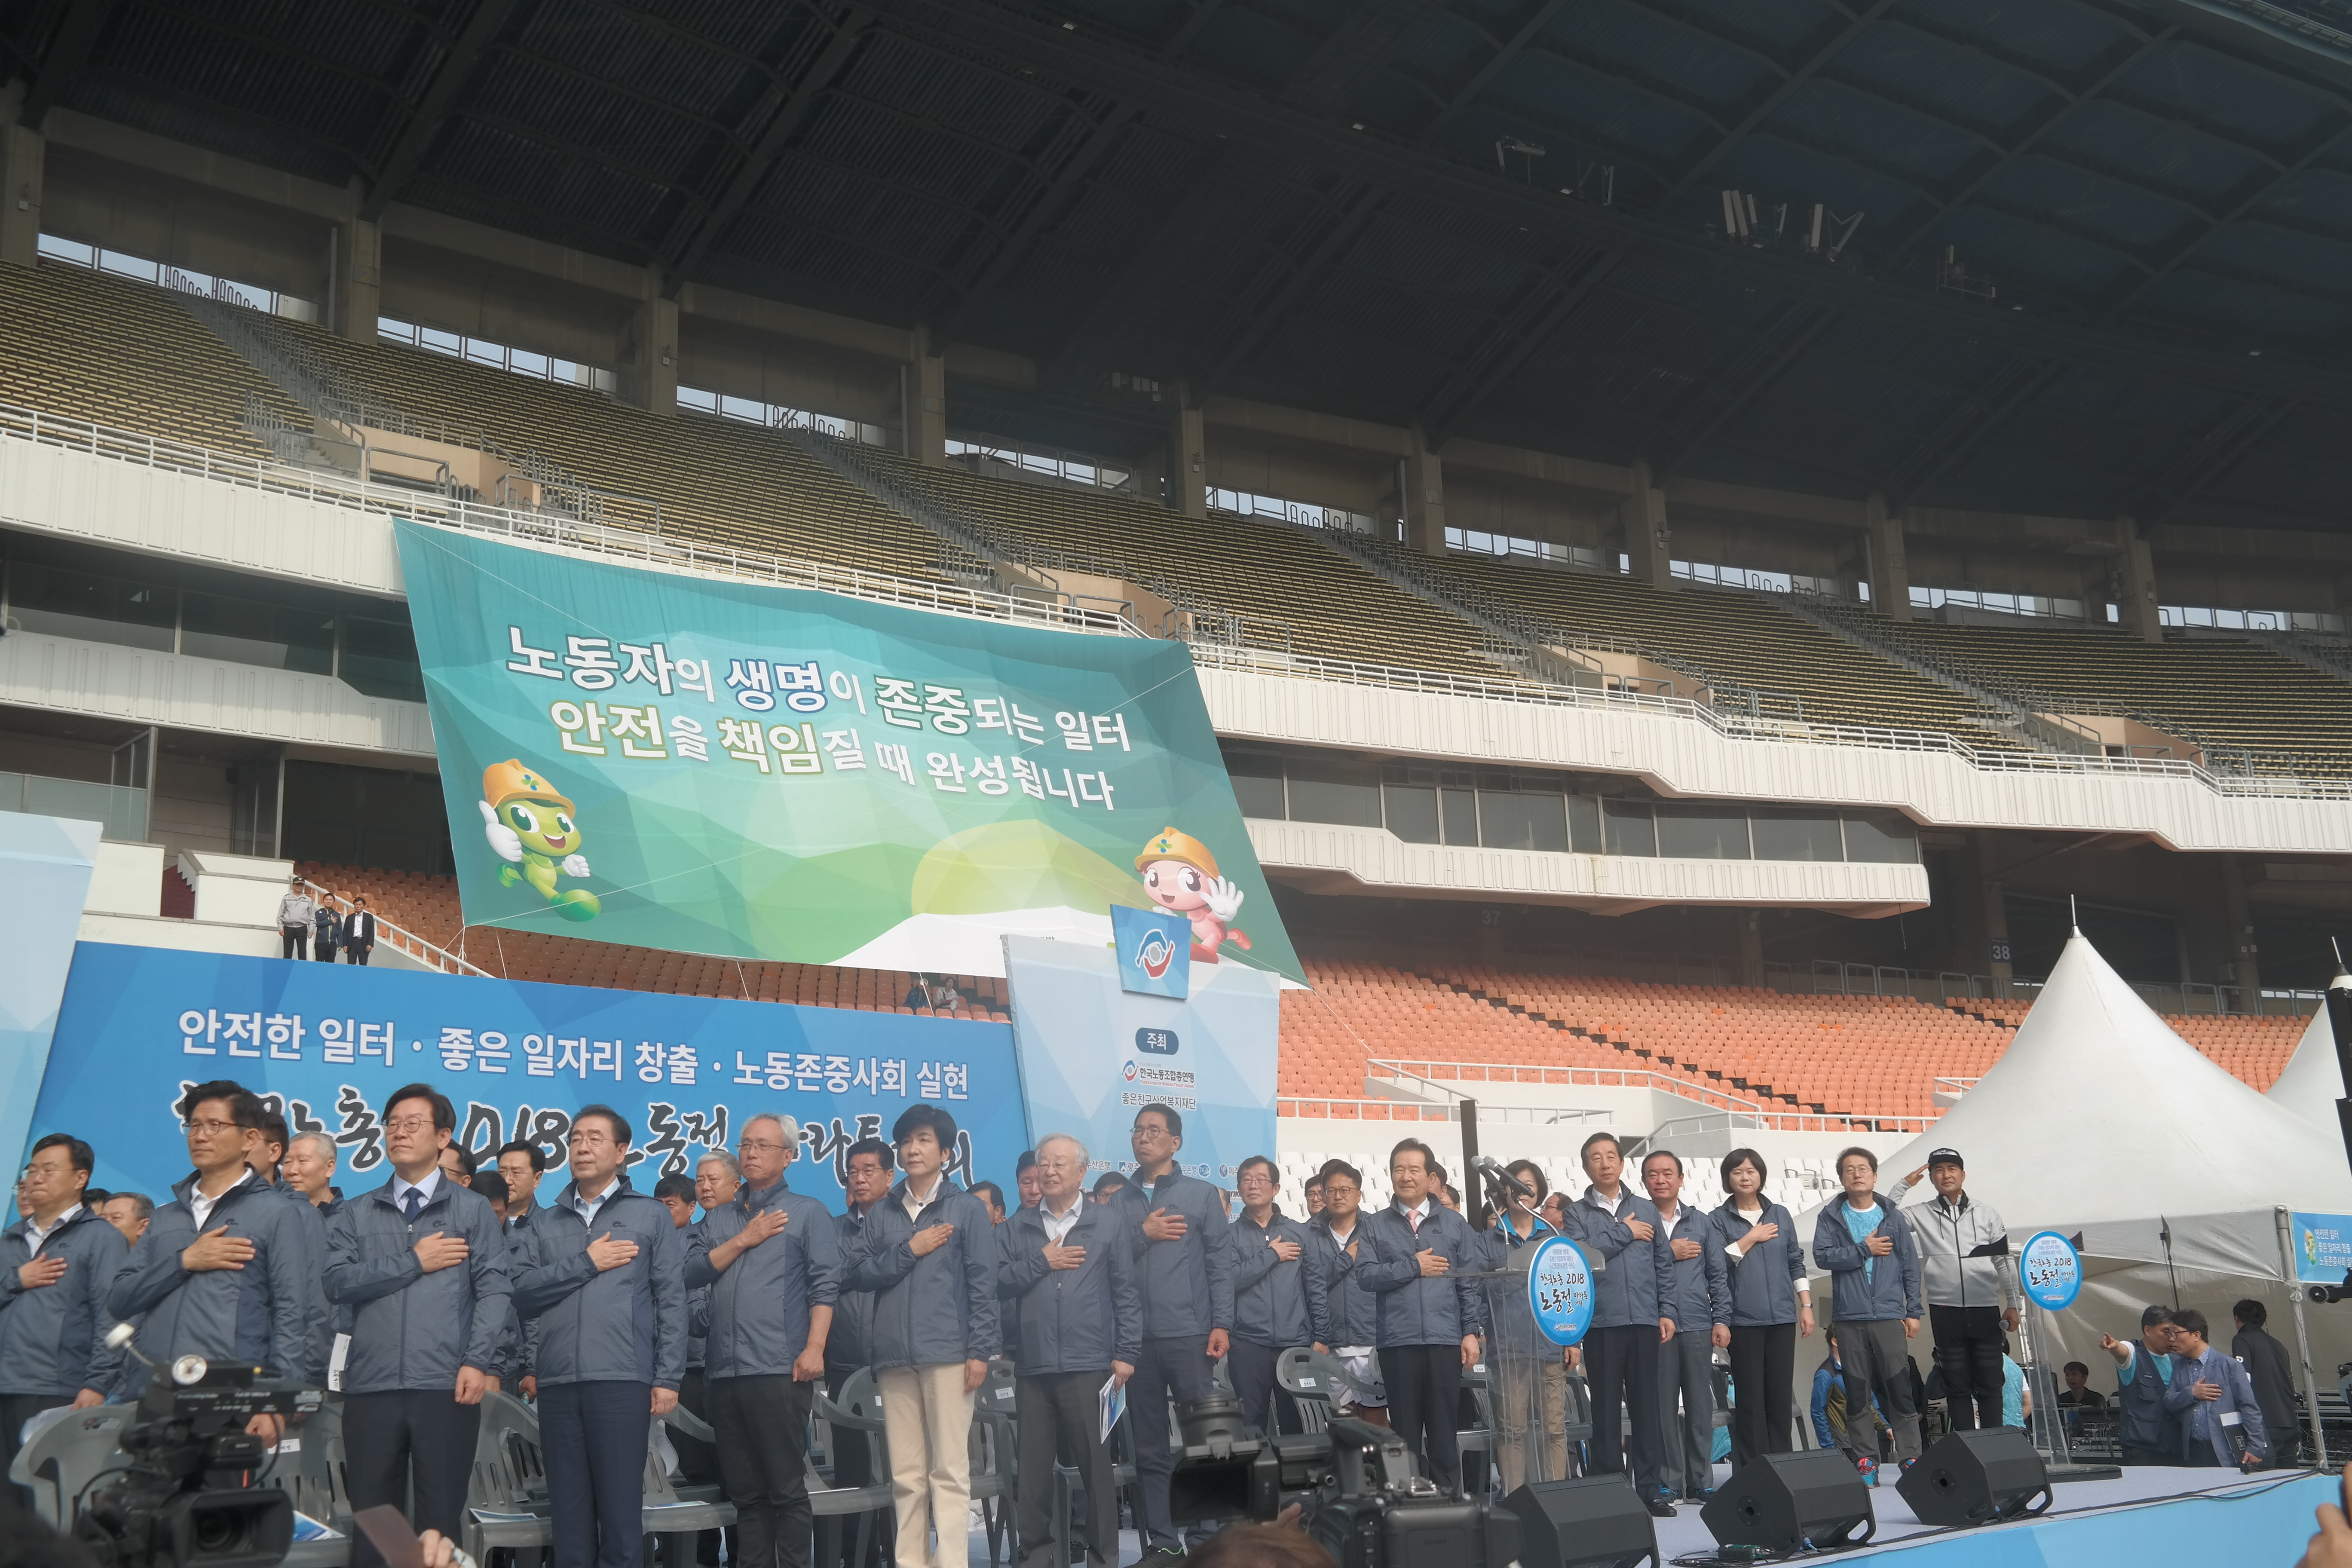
(2050, 1270)
(326, 1042)
(754, 771)
(1559, 1290)
(1091, 1053)
(2323, 1247)
(1155, 952)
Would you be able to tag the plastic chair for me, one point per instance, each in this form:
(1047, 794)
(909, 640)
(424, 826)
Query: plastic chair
(1310, 1377)
(66, 1455)
(509, 1485)
(858, 1411)
(996, 1458)
(316, 1484)
(1478, 1440)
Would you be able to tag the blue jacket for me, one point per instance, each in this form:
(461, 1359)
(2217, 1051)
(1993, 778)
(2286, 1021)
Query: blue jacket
(940, 1306)
(411, 1329)
(1894, 1292)
(760, 1304)
(1635, 1283)
(1186, 1284)
(1702, 1294)
(1763, 1282)
(615, 1325)
(1826, 1378)
(1415, 1309)
(2202, 1419)
(851, 1343)
(2142, 1418)
(264, 1314)
(1352, 1307)
(1072, 1320)
(1278, 1304)
(53, 1340)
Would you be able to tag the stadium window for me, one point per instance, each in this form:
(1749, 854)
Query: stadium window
(91, 607)
(2249, 620)
(1628, 827)
(181, 279)
(996, 458)
(2030, 606)
(1476, 542)
(1691, 830)
(1458, 810)
(248, 631)
(1347, 794)
(1796, 836)
(379, 659)
(1584, 825)
(1881, 839)
(1408, 797)
(496, 356)
(1257, 782)
(782, 416)
(1299, 514)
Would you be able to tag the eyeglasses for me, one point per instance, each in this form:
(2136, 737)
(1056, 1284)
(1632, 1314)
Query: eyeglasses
(749, 1144)
(577, 1139)
(410, 1124)
(209, 1129)
(1150, 1129)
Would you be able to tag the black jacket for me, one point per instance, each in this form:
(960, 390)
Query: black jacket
(2267, 1365)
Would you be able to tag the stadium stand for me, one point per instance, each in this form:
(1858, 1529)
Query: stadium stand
(84, 345)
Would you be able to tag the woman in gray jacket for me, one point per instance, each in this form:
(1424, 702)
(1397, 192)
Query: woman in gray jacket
(1771, 1306)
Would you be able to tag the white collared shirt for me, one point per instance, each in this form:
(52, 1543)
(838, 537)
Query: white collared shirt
(1420, 1212)
(36, 1233)
(1611, 1204)
(915, 1205)
(200, 1208)
(425, 1190)
(587, 1205)
(1058, 1227)
(1666, 1222)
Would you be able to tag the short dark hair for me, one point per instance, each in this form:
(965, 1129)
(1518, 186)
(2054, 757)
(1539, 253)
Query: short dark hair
(444, 1115)
(1740, 1157)
(1662, 1154)
(517, 1146)
(2074, 1366)
(1314, 1181)
(680, 1187)
(2250, 1312)
(1340, 1168)
(491, 1185)
(1167, 1114)
(79, 1154)
(1848, 1153)
(2193, 1321)
(1111, 1182)
(245, 1107)
(874, 1146)
(1532, 1173)
(1585, 1151)
(1259, 1545)
(918, 1116)
(93, 1197)
(1243, 1168)
(619, 1123)
(993, 1190)
(2155, 1315)
(1022, 1166)
(274, 1129)
(1428, 1156)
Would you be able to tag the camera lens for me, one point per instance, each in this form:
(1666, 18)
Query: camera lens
(214, 1530)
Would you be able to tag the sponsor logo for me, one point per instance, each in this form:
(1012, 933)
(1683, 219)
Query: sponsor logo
(1130, 1072)
(1154, 954)
(1136, 1073)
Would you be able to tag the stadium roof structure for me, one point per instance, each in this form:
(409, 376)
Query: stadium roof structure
(2081, 258)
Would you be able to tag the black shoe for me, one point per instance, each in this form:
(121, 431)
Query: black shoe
(1706, 1495)
(1661, 1503)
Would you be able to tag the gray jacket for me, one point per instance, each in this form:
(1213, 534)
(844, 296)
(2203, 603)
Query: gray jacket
(1278, 1304)
(615, 1325)
(411, 1329)
(2216, 1366)
(851, 1343)
(293, 909)
(327, 1325)
(1863, 1294)
(1352, 1307)
(1071, 1319)
(518, 1351)
(53, 1340)
(264, 1314)
(1635, 1283)
(1186, 1284)
(759, 1303)
(940, 1306)
(1702, 1294)
(1765, 1280)
(1946, 1235)
(1415, 1309)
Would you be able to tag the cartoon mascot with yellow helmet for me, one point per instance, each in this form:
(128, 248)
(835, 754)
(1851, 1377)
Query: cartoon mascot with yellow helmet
(1181, 875)
(531, 826)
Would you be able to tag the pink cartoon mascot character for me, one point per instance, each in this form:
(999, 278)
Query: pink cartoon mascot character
(1181, 875)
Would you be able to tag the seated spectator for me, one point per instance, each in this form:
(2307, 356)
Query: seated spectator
(2016, 1399)
(2078, 1395)
(918, 995)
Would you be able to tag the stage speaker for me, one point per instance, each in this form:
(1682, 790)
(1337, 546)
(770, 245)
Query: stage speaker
(1595, 1521)
(1787, 1501)
(1978, 1477)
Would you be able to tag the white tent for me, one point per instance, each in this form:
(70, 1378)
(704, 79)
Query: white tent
(2314, 1079)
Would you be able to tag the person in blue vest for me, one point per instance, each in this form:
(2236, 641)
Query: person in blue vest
(1873, 1260)
(602, 1273)
(2150, 1434)
(420, 1266)
(1280, 1292)
(1634, 1299)
(2221, 1417)
(1417, 1259)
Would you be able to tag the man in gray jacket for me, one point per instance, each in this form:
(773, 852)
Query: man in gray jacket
(1633, 1315)
(421, 1268)
(1429, 1323)
(604, 1276)
(1972, 1299)
(1279, 1291)
(772, 1261)
(1184, 1269)
(55, 1264)
(1873, 1261)
(295, 912)
(1069, 1265)
(1701, 1308)
(226, 1270)
(2222, 1419)
(850, 1346)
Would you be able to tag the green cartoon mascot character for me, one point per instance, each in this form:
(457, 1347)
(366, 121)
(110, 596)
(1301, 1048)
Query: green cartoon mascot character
(532, 827)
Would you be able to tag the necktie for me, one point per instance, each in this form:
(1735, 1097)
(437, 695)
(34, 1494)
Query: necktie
(1415, 1215)
(412, 1203)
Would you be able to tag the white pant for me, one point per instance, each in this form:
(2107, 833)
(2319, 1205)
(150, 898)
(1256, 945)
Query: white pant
(928, 1419)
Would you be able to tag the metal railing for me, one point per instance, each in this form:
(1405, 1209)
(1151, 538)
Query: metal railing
(400, 938)
(1408, 1073)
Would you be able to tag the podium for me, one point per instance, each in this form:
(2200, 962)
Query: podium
(1527, 1376)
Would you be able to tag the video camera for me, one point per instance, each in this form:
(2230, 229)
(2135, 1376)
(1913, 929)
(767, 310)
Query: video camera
(1365, 1499)
(190, 1496)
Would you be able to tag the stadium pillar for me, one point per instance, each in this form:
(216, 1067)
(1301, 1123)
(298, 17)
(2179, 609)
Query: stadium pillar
(1188, 456)
(2136, 589)
(1996, 920)
(1649, 552)
(355, 281)
(1890, 571)
(648, 353)
(926, 414)
(2245, 968)
(23, 153)
(1424, 497)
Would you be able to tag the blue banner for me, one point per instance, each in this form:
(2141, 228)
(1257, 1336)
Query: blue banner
(2322, 1247)
(1092, 1052)
(326, 1042)
(1155, 952)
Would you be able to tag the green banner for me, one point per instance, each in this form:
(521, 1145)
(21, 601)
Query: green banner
(722, 767)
